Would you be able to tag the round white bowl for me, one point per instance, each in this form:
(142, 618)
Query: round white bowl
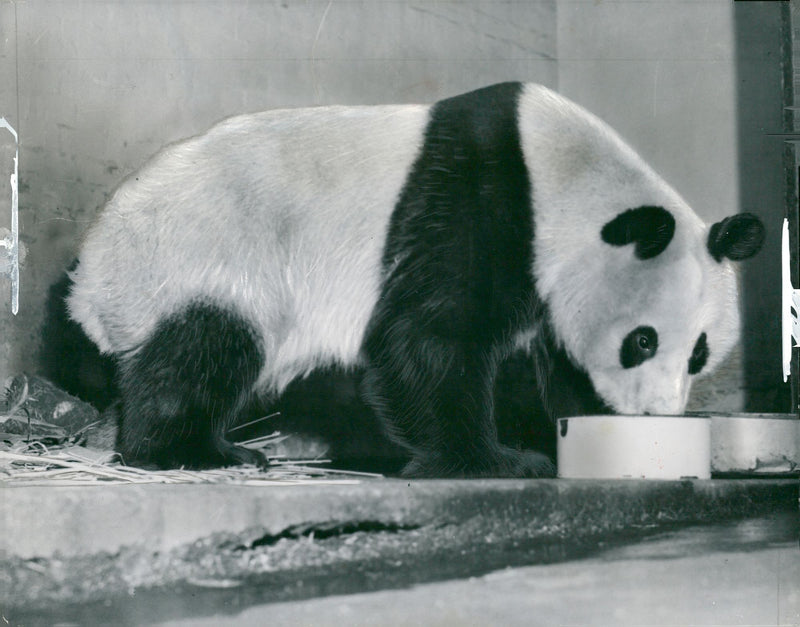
(636, 447)
(755, 443)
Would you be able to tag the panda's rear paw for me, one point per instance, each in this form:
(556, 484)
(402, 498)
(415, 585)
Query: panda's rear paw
(501, 462)
(235, 454)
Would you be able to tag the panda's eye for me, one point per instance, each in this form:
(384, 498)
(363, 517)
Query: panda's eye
(638, 346)
(699, 355)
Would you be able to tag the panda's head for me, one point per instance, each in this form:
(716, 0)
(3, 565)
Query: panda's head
(673, 316)
(641, 293)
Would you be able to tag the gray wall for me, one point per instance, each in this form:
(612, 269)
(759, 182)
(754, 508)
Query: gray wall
(103, 85)
(663, 74)
(96, 87)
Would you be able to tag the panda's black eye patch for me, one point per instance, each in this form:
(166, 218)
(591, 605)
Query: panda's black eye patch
(649, 228)
(638, 346)
(699, 355)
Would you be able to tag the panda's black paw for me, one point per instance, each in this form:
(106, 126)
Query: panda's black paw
(235, 454)
(500, 462)
(529, 464)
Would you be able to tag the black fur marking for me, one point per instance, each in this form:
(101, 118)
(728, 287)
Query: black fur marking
(638, 346)
(650, 228)
(457, 287)
(185, 387)
(69, 358)
(736, 237)
(699, 355)
(564, 388)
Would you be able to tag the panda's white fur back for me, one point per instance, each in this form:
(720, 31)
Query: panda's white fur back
(278, 215)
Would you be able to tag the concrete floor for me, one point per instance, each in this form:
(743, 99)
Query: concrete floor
(397, 552)
(745, 573)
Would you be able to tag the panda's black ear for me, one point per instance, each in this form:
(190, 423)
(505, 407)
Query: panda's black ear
(650, 228)
(736, 237)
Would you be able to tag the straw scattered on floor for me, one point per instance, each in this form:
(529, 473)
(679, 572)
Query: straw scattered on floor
(48, 437)
(35, 463)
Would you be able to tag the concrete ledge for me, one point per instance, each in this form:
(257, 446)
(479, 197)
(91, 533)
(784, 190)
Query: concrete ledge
(78, 521)
(91, 555)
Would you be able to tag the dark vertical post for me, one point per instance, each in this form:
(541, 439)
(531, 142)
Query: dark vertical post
(791, 61)
(761, 31)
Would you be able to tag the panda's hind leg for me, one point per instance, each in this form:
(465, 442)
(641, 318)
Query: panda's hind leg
(185, 386)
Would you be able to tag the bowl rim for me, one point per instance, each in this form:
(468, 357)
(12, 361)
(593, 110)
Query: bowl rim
(636, 416)
(692, 415)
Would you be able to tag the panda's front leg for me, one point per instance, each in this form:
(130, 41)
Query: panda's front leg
(434, 393)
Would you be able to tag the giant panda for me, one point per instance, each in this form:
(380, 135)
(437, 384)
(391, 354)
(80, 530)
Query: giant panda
(422, 243)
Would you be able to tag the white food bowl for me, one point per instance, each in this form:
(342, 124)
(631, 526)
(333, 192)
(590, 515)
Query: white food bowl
(755, 443)
(650, 447)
